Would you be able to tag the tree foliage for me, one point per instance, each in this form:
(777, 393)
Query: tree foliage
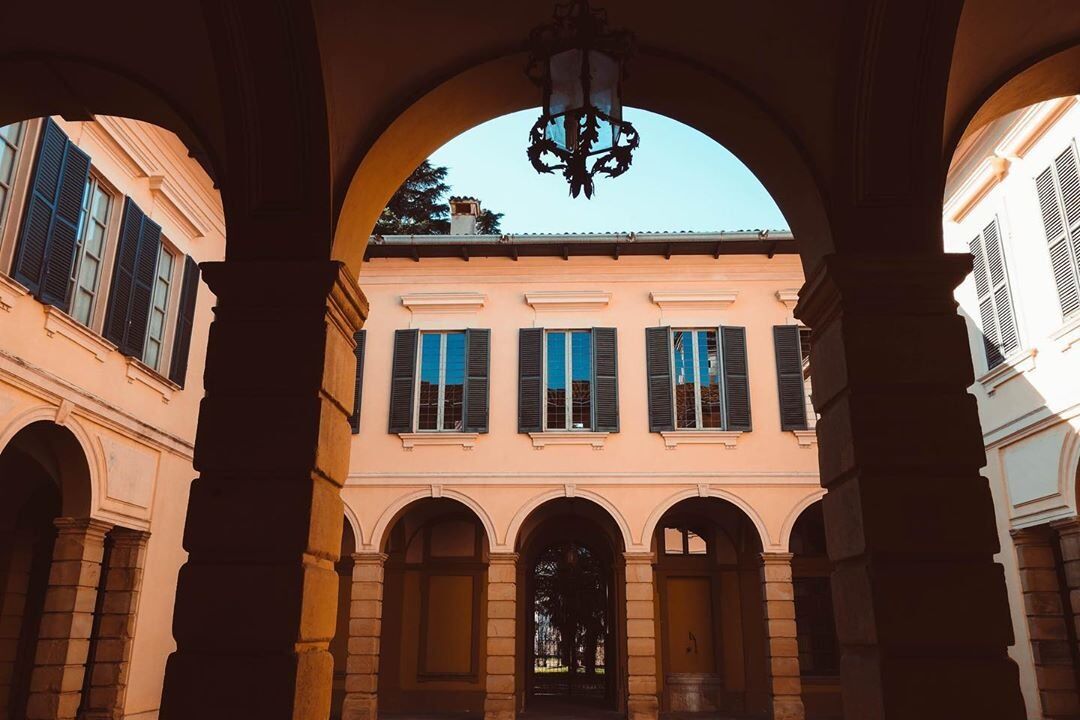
(419, 207)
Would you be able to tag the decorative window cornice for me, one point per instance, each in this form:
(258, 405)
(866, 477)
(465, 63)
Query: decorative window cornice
(440, 303)
(172, 201)
(694, 300)
(806, 438)
(1015, 365)
(57, 322)
(10, 291)
(445, 439)
(541, 440)
(675, 438)
(789, 297)
(559, 300)
(1068, 334)
(137, 371)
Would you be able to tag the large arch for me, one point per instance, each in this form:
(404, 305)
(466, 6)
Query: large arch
(393, 512)
(511, 539)
(719, 493)
(747, 127)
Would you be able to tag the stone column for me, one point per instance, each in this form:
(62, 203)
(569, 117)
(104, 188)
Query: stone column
(66, 623)
(500, 703)
(642, 702)
(365, 632)
(1069, 548)
(111, 658)
(256, 600)
(781, 640)
(921, 606)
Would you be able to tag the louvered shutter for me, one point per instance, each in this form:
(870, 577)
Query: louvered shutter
(605, 344)
(477, 369)
(403, 380)
(185, 321)
(1000, 336)
(46, 250)
(360, 336)
(789, 377)
(1058, 190)
(133, 280)
(736, 378)
(658, 370)
(530, 380)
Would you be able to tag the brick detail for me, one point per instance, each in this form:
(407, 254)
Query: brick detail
(643, 701)
(66, 623)
(500, 700)
(365, 631)
(781, 642)
(111, 647)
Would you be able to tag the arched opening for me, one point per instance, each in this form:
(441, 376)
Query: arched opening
(711, 638)
(432, 651)
(569, 557)
(819, 650)
(43, 474)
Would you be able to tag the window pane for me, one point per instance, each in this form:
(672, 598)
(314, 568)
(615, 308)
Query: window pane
(556, 381)
(683, 353)
(581, 367)
(11, 133)
(155, 336)
(695, 543)
(7, 163)
(454, 390)
(150, 357)
(428, 414)
(673, 541)
(712, 414)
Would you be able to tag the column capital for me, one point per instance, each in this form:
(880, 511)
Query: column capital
(876, 284)
(1067, 526)
(369, 558)
(503, 558)
(128, 537)
(82, 526)
(1034, 535)
(639, 558)
(776, 558)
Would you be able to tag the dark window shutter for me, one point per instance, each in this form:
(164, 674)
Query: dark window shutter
(789, 377)
(133, 280)
(46, 251)
(658, 369)
(530, 380)
(1062, 256)
(477, 369)
(403, 380)
(360, 336)
(1000, 336)
(185, 321)
(605, 380)
(736, 378)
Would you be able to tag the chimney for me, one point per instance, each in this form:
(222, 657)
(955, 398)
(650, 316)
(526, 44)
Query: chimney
(464, 212)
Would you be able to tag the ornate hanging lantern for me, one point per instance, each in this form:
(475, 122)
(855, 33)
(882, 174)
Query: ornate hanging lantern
(579, 64)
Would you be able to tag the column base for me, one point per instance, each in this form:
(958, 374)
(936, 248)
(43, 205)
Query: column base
(360, 707)
(788, 709)
(642, 707)
(500, 707)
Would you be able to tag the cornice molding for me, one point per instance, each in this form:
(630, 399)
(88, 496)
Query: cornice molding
(137, 371)
(57, 322)
(10, 292)
(675, 438)
(541, 440)
(561, 300)
(788, 297)
(171, 199)
(807, 438)
(441, 302)
(1014, 366)
(441, 439)
(694, 300)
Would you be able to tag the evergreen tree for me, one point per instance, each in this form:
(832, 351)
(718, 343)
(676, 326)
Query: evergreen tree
(488, 223)
(419, 207)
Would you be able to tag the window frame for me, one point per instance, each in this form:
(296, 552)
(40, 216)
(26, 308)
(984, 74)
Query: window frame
(94, 181)
(163, 344)
(697, 379)
(441, 408)
(11, 221)
(568, 351)
(977, 232)
(1068, 236)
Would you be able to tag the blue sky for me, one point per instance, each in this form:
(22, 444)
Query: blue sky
(680, 180)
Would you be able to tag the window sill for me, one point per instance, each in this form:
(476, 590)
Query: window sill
(541, 440)
(806, 438)
(1068, 334)
(675, 438)
(136, 370)
(1014, 366)
(57, 322)
(463, 439)
(10, 291)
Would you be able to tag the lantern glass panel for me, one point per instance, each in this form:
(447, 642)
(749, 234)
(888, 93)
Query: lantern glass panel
(567, 98)
(604, 96)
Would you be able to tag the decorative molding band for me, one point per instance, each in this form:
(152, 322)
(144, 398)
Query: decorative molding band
(1032, 125)
(806, 438)
(541, 440)
(10, 291)
(675, 438)
(991, 171)
(1067, 335)
(1014, 366)
(549, 300)
(789, 297)
(57, 322)
(456, 302)
(172, 201)
(136, 370)
(699, 300)
(445, 439)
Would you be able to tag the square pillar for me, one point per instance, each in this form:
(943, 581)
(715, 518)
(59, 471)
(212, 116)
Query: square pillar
(921, 606)
(256, 601)
(64, 635)
(365, 633)
(501, 682)
(642, 702)
(111, 648)
(781, 638)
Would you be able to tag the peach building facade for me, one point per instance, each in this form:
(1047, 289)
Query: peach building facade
(104, 328)
(1013, 201)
